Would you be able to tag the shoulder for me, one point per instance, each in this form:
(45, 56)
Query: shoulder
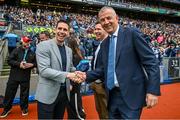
(68, 48)
(135, 32)
(130, 29)
(45, 43)
(105, 41)
(44, 46)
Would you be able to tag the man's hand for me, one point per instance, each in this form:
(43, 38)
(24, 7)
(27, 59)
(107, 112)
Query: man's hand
(28, 65)
(75, 77)
(151, 100)
(22, 65)
(81, 75)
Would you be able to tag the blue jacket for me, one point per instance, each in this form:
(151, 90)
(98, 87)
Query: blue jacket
(133, 56)
(12, 41)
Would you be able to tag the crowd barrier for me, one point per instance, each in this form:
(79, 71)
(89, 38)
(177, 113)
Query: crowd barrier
(3, 53)
(169, 73)
(170, 70)
(3, 46)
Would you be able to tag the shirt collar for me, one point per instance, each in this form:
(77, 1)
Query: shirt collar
(116, 32)
(61, 46)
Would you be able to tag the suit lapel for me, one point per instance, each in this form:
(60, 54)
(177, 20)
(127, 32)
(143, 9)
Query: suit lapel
(67, 69)
(67, 57)
(120, 39)
(56, 52)
(106, 50)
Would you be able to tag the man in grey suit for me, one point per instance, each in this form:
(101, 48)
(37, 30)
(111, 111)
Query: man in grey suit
(54, 61)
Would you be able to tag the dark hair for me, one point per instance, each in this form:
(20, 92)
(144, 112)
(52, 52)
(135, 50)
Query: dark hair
(46, 33)
(63, 21)
(72, 43)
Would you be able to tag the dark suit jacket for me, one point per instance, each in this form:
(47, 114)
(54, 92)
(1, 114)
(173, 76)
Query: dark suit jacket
(14, 60)
(133, 56)
(94, 50)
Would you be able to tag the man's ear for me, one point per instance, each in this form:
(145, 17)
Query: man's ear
(117, 17)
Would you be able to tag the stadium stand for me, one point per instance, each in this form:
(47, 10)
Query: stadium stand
(162, 31)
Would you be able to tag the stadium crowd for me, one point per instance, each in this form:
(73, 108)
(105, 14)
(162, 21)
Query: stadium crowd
(163, 37)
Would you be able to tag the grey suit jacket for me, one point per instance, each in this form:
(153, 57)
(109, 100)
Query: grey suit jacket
(50, 71)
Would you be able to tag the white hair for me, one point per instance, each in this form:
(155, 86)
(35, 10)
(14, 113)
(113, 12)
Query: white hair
(107, 8)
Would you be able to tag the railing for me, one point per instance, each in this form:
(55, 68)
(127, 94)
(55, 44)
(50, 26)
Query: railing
(170, 70)
(4, 49)
(3, 53)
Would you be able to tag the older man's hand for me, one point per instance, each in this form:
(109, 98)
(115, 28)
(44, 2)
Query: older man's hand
(77, 76)
(151, 100)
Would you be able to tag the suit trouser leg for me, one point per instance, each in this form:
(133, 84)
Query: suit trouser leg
(24, 94)
(101, 105)
(118, 109)
(45, 111)
(61, 104)
(10, 93)
(55, 110)
(100, 97)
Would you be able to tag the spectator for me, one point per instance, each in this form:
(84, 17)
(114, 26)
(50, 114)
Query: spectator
(43, 36)
(21, 60)
(12, 41)
(171, 51)
(98, 87)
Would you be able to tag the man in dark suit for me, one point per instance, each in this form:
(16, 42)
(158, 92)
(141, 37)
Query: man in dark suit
(100, 95)
(129, 68)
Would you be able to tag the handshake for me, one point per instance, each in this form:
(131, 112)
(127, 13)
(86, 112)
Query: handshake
(77, 76)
